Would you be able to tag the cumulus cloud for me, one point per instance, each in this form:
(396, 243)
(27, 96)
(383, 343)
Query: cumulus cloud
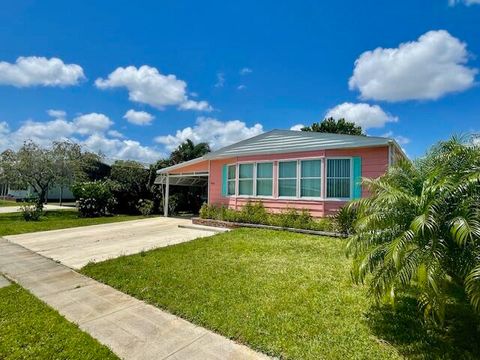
(245, 71)
(91, 123)
(241, 87)
(138, 117)
(90, 130)
(466, 2)
(57, 114)
(297, 127)
(147, 85)
(213, 131)
(35, 71)
(220, 80)
(428, 68)
(401, 140)
(365, 115)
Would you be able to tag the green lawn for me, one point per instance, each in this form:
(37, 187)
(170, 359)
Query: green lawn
(285, 294)
(13, 223)
(8, 203)
(29, 329)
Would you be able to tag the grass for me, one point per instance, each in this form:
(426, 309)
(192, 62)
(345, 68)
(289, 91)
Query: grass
(288, 295)
(13, 223)
(8, 203)
(29, 329)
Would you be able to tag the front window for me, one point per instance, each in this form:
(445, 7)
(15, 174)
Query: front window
(338, 178)
(245, 179)
(310, 180)
(264, 179)
(232, 170)
(287, 178)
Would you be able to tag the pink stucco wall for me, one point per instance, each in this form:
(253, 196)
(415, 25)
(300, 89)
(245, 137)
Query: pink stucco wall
(374, 164)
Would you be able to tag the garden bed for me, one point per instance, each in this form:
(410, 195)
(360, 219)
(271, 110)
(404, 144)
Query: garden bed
(233, 225)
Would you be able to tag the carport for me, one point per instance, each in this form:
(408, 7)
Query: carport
(192, 179)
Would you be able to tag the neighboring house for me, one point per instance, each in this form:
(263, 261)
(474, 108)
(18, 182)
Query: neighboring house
(53, 193)
(287, 169)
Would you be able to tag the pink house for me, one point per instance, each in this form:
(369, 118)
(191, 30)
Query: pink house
(287, 169)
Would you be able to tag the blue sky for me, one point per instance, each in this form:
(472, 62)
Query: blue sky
(236, 69)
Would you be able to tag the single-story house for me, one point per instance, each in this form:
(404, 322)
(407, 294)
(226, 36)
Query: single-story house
(287, 169)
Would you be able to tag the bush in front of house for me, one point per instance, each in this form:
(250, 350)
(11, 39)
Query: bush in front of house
(255, 213)
(345, 219)
(145, 207)
(32, 212)
(94, 198)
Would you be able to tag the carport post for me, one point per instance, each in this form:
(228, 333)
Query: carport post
(167, 190)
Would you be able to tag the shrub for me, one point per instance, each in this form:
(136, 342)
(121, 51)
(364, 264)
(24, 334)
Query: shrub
(345, 219)
(94, 198)
(253, 213)
(145, 207)
(32, 212)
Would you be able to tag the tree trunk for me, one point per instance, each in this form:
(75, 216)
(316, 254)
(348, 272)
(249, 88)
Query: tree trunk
(61, 195)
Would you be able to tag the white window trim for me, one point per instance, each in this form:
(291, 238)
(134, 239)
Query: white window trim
(254, 185)
(271, 179)
(296, 179)
(234, 180)
(309, 177)
(351, 178)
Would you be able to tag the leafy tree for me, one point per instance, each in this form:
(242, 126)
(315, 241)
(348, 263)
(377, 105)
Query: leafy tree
(340, 126)
(41, 168)
(420, 229)
(129, 184)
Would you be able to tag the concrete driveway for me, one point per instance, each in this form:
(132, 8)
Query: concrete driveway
(76, 247)
(12, 209)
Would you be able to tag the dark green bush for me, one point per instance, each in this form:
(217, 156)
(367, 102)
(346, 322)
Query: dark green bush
(94, 198)
(32, 212)
(345, 219)
(145, 207)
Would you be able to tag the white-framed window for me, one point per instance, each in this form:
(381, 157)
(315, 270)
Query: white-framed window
(339, 178)
(287, 178)
(311, 178)
(231, 178)
(264, 179)
(245, 179)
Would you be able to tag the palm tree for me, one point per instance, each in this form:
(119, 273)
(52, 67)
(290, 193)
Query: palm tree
(188, 151)
(420, 229)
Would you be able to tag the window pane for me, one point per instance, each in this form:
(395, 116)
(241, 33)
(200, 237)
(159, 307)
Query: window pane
(264, 187)
(246, 171)
(287, 169)
(338, 188)
(264, 170)
(310, 187)
(231, 188)
(287, 187)
(245, 187)
(338, 168)
(231, 172)
(311, 168)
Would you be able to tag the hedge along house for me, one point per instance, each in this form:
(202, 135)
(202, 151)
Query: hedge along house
(287, 169)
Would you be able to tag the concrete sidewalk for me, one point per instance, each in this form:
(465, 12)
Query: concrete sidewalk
(13, 209)
(131, 328)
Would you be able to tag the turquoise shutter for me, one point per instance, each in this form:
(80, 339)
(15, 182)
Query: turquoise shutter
(357, 177)
(224, 180)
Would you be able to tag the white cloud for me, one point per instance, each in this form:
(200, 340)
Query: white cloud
(241, 87)
(34, 71)
(245, 71)
(297, 127)
(213, 131)
(401, 140)
(428, 68)
(220, 80)
(466, 2)
(138, 117)
(85, 130)
(115, 134)
(122, 149)
(148, 86)
(365, 115)
(57, 114)
(91, 123)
